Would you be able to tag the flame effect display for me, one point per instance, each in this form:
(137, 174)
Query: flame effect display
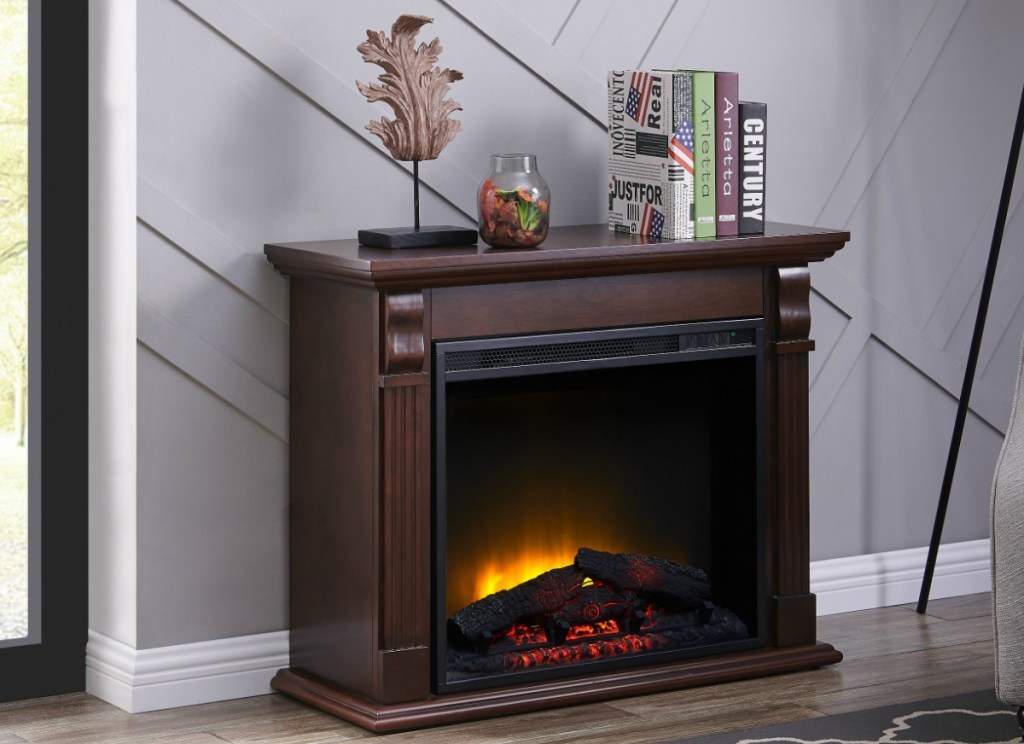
(624, 461)
(520, 545)
(536, 468)
(503, 567)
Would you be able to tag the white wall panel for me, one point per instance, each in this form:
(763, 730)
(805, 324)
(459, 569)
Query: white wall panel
(892, 120)
(624, 36)
(827, 325)
(199, 301)
(878, 460)
(546, 18)
(212, 516)
(247, 272)
(577, 34)
(937, 224)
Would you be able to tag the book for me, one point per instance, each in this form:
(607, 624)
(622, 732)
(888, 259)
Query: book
(650, 161)
(704, 154)
(727, 153)
(753, 141)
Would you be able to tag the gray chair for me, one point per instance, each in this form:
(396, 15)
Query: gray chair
(1008, 557)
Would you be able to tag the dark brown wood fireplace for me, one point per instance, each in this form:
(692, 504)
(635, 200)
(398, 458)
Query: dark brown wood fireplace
(602, 397)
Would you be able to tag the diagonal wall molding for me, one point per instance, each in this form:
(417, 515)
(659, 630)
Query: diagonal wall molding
(669, 46)
(247, 273)
(963, 292)
(901, 338)
(339, 100)
(890, 114)
(581, 27)
(550, 66)
(835, 371)
(872, 317)
(211, 369)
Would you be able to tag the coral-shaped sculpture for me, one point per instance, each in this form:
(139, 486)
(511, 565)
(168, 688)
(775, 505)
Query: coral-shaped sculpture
(414, 88)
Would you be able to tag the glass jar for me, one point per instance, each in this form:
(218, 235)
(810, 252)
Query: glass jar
(514, 202)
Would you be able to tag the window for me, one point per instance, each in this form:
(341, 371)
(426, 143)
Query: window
(43, 346)
(15, 499)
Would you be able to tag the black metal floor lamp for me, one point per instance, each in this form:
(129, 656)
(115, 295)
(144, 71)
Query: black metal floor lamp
(972, 359)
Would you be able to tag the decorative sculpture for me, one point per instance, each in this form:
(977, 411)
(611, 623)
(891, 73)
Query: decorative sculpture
(416, 89)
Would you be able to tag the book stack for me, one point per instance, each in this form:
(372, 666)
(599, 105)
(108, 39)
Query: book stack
(686, 156)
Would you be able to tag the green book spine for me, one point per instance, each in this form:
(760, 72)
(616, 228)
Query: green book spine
(704, 154)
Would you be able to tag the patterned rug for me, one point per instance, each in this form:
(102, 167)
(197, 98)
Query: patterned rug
(969, 718)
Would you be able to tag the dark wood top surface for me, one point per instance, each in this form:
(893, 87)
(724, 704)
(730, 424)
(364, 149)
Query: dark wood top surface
(569, 252)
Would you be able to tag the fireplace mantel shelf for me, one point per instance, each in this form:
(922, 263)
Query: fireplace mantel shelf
(365, 323)
(576, 251)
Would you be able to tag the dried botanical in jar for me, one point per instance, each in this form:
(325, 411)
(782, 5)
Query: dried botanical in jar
(514, 202)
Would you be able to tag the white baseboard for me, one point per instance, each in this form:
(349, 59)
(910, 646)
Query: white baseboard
(863, 582)
(139, 680)
(194, 673)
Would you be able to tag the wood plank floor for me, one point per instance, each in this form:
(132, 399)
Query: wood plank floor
(891, 655)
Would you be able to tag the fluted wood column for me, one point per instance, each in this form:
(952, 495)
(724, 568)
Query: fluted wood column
(404, 518)
(795, 607)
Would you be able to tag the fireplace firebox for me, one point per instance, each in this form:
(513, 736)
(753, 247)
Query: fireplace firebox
(522, 479)
(597, 500)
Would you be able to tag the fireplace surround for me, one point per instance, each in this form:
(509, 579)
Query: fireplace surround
(652, 400)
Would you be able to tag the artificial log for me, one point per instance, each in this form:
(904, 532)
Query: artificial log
(544, 594)
(681, 586)
(599, 586)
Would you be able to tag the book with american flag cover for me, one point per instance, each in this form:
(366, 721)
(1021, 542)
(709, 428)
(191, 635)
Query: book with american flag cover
(650, 164)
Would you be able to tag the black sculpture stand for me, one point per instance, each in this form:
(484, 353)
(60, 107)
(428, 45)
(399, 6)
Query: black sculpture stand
(416, 236)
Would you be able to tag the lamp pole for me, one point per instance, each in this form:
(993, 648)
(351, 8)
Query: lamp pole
(972, 359)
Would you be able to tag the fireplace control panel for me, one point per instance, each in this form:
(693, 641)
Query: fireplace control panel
(742, 337)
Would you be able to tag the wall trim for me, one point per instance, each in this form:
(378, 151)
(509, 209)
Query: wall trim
(140, 680)
(863, 582)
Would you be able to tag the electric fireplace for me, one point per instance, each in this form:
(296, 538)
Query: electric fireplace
(596, 500)
(522, 479)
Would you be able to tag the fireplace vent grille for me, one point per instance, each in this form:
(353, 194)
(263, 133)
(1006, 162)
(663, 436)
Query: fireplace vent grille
(575, 351)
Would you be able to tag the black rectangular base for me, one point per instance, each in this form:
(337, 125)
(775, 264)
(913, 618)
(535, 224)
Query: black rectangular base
(411, 237)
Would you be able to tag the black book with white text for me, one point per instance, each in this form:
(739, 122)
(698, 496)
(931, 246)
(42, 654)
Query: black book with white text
(753, 141)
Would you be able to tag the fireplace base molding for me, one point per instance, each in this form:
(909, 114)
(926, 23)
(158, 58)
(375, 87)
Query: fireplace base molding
(442, 709)
(364, 324)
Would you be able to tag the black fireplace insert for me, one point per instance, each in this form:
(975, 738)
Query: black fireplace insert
(598, 500)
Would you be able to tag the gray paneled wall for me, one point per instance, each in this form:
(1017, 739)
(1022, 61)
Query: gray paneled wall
(890, 119)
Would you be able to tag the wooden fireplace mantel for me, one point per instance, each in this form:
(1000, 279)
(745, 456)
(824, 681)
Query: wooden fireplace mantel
(362, 324)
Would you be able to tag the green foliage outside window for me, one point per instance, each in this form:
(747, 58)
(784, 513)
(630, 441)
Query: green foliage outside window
(13, 318)
(13, 218)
